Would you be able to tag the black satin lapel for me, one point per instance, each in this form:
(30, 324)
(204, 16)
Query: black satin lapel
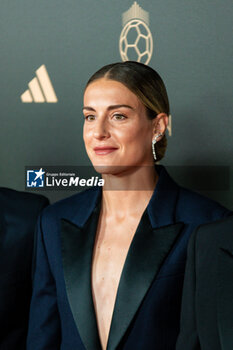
(146, 254)
(225, 298)
(77, 248)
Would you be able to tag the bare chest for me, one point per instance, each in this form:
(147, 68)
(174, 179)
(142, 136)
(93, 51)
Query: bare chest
(110, 251)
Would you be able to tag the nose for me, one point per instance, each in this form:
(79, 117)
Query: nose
(101, 129)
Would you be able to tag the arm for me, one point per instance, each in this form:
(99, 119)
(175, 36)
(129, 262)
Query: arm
(44, 321)
(188, 337)
(44, 202)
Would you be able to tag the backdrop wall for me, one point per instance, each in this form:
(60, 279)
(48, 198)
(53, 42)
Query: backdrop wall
(192, 51)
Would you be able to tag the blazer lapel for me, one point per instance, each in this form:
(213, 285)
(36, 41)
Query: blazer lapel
(225, 296)
(146, 254)
(152, 242)
(77, 248)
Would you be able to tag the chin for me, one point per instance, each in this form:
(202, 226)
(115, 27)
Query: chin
(116, 170)
(105, 166)
(107, 169)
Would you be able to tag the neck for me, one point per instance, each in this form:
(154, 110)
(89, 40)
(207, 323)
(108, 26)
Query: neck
(128, 194)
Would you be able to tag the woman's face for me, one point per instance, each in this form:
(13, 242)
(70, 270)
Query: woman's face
(117, 131)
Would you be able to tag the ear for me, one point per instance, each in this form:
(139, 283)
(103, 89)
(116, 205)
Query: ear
(160, 124)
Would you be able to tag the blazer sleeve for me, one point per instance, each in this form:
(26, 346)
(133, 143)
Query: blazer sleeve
(188, 337)
(44, 322)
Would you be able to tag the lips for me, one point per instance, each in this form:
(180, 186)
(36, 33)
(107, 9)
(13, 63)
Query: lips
(104, 150)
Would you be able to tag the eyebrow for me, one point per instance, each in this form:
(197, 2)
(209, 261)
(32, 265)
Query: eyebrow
(109, 107)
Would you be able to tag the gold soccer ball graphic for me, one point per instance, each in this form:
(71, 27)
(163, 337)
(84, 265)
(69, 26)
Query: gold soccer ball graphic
(136, 43)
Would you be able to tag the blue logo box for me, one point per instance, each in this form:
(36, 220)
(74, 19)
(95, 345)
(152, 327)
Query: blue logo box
(35, 178)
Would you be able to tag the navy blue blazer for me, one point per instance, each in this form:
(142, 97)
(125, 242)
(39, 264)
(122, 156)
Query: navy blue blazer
(147, 309)
(18, 215)
(207, 302)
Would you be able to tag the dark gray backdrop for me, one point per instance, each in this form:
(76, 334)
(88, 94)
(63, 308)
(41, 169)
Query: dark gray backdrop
(73, 38)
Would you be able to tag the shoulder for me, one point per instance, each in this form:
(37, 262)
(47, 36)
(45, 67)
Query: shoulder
(190, 207)
(220, 230)
(21, 203)
(193, 207)
(79, 204)
(19, 212)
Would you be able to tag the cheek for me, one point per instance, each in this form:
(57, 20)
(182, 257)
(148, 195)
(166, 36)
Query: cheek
(137, 138)
(139, 143)
(86, 135)
(125, 136)
(127, 133)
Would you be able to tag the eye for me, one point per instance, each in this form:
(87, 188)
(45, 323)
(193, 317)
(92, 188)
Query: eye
(119, 117)
(89, 117)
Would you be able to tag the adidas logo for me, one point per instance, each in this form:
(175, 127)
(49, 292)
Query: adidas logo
(40, 88)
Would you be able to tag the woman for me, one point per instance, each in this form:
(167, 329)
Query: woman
(110, 264)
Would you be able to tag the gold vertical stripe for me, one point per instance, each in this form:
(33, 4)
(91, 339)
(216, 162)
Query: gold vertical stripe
(36, 91)
(46, 84)
(26, 97)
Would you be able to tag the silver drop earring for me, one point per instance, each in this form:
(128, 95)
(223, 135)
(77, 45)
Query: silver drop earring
(153, 144)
